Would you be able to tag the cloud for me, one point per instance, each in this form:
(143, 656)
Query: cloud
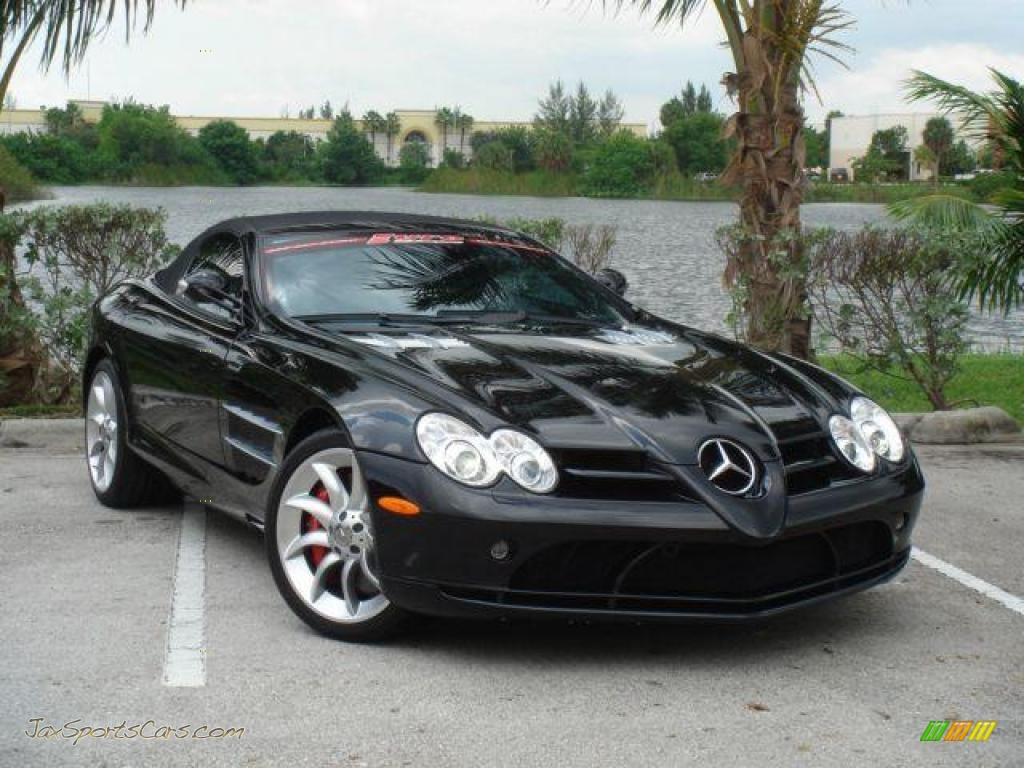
(875, 86)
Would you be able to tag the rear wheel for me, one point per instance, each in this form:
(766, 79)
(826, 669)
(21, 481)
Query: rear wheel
(320, 543)
(119, 478)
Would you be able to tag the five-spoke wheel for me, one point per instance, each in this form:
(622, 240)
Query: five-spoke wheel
(101, 430)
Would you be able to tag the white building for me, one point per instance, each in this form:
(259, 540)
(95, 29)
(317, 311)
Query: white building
(850, 137)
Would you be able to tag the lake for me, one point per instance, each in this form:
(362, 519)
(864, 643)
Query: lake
(665, 248)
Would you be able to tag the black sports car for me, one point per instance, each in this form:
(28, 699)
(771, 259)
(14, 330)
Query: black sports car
(436, 416)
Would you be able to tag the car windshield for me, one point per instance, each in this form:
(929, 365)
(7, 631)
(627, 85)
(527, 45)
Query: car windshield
(431, 277)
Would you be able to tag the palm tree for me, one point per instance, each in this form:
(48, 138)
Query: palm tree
(464, 125)
(996, 117)
(392, 127)
(374, 123)
(68, 27)
(938, 137)
(770, 41)
(443, 119)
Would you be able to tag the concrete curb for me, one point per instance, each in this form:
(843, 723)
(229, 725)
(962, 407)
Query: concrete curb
(966, 426)
(962, 427)
(50, 435)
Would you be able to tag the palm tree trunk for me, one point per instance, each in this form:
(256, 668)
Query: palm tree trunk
(769, 169)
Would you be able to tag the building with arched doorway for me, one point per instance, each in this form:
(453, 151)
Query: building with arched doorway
(413, 125)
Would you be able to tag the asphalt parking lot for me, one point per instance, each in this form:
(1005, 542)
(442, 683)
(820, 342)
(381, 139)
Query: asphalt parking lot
(86, 592)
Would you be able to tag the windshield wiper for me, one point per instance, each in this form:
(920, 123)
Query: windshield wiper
(454, 317)
(389, 319)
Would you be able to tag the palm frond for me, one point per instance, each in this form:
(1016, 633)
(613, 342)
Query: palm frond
(943, 212)
(665, 11)
(69, 26)
(976, 111)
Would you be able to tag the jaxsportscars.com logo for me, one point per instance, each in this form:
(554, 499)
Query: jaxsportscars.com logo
(958, 730)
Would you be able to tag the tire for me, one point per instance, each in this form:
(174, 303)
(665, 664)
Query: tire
(119, 478)
(320, 543)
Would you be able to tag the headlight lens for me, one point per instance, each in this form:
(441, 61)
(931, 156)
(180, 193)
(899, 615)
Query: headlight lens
(851, 443)
(465, 455)
(524, 460)
(878, 429)
(457, 449)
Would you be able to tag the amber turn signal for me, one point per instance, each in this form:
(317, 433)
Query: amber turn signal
(398, 506)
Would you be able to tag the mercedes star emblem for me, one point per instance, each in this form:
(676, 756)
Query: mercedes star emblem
(730, 467)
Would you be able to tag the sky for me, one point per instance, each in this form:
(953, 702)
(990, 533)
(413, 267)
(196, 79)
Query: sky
(495, 58)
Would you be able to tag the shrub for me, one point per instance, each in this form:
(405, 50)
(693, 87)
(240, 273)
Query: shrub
(888, 298)
(74, 254)
(495, 156)
(622, 167)
(453, 159)
(16, 182)
(591, 246)
(413, 162)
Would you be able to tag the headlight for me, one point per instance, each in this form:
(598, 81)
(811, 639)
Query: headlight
(851, 443)
(457, 449)
(465, 455)
(878, 429)
(524, 460)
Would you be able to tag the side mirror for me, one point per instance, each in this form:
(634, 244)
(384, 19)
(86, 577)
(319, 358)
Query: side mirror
(613, 280)
(208, 285)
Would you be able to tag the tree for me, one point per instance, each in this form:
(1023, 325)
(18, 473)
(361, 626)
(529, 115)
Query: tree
(622, 167)
(228, 144)
(553, 150)
(326, 110)
(938, 137)
(553, 109)
(997, 117)
(769, 41)
(582, 115)
(414, 162)
(392, 127)
(609, 113)
(887, 155)
(444, 119)
(697, 143)
(463, 124)
(817, 147)
(704, 102)
(960, 159)
(289, 155)
(346, 156)
(373, 123)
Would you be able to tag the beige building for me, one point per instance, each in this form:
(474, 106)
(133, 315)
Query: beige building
(415, 125)
(850, 137)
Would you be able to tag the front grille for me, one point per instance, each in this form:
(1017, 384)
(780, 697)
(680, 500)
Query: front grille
(811, 463)
(617, 475)
(696, 578)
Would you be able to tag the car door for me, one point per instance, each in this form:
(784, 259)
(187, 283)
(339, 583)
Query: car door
(174, 355)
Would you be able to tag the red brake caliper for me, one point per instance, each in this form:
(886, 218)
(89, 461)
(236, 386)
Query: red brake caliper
(310, 523)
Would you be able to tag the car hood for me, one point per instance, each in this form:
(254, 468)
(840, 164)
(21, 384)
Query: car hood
(659, 387)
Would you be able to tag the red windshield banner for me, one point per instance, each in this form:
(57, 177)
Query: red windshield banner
(402, 238)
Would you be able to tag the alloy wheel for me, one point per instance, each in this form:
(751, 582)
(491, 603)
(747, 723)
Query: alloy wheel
(101, 431)
(324, 538)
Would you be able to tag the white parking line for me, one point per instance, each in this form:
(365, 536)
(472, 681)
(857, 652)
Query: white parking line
(185, 663)
(970, 581)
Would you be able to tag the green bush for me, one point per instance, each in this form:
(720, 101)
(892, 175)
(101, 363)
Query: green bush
(985, 186)
(888, 298)
(75, 254)
(228, 144)
(16, 182)
(622, 167)
(413, 162)
(346, 157)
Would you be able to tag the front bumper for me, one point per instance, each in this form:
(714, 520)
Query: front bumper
(630, 560)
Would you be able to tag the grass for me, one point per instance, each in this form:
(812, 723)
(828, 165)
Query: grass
(669, 186)
(40, 411)
(996, 379)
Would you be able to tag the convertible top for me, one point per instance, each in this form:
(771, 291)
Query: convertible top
(372, 221)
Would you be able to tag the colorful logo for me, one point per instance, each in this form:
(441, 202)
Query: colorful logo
(958, 730)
